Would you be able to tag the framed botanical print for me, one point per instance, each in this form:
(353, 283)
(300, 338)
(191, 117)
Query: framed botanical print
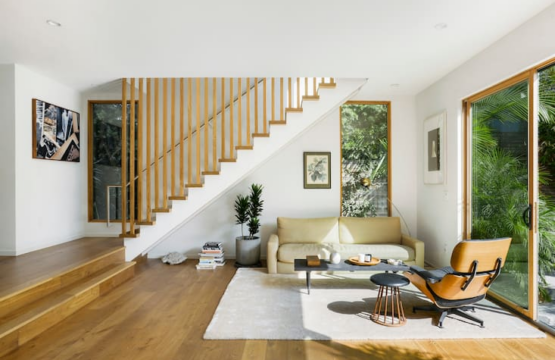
(317, 170)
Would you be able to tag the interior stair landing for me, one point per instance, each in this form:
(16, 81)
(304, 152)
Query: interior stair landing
(40, 289)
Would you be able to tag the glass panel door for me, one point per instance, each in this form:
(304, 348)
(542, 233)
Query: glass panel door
(546, 223)
(500, 203)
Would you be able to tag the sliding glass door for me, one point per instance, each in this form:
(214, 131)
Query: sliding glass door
(509, 185)
(500, 192)
(546, 208)
(500, 183)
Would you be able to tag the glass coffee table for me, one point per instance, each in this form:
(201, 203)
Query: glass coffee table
(344, 265)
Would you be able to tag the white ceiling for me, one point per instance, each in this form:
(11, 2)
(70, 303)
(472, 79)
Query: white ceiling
(386, 41)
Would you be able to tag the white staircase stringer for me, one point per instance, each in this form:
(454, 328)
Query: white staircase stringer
(247, 162)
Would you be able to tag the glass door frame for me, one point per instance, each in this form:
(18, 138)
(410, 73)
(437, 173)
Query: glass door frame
(531, 76)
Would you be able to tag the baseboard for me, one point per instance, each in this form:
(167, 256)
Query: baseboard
(8, 253)
(194, 256)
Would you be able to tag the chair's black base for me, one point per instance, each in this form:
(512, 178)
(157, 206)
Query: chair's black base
(461, 311)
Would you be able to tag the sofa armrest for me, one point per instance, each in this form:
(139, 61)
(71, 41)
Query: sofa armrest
(272, 250)
(418, 247)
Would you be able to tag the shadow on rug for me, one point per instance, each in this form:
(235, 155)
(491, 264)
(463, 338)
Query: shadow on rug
(257, 305)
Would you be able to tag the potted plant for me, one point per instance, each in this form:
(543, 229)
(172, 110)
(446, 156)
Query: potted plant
(247, 211)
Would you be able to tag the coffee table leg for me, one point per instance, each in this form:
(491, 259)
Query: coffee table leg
(308, 281)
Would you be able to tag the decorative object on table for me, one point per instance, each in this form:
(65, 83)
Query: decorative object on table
(317, 170)
(247, 211)
(367, 257)
(174, 258)
(55, 132)
(361, 258)
(394, 262)
(312, 260)
(211, 256)
(434, 149)
(355, 260)
(335, 257)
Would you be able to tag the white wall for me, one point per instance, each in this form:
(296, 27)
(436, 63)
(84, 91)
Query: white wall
(284, 194)
(403, 158)
(7, 160)
(48, 194)
(440, 206)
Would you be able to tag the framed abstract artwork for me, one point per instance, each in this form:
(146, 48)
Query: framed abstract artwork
(317, 170)
(434, 149)
(55, 132)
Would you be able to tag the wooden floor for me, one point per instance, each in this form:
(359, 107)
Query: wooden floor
(163, 311)
(15, 271)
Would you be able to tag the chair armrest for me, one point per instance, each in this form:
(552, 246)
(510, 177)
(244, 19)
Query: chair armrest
(272, 250)
(418, 247)
(431, 276)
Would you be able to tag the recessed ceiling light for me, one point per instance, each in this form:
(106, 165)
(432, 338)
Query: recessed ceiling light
(440, 26)
(53, 23)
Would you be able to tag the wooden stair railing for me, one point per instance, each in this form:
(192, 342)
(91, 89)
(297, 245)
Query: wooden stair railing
(240, 110)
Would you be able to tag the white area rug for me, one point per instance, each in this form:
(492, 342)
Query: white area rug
(257, 305)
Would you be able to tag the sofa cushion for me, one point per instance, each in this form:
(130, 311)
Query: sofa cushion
(370, 230)
(382, 251)
(302, 231)
(289, 252)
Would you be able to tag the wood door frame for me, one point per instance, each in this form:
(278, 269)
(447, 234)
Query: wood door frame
(530, 75)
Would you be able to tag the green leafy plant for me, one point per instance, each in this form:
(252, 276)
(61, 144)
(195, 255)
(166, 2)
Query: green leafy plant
(242, 211)
(500, 177)
(364, 159)
(248, 210)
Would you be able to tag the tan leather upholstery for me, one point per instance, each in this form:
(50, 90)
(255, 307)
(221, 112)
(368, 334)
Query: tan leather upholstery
(381, 230)
(298, 237)
(316, 230)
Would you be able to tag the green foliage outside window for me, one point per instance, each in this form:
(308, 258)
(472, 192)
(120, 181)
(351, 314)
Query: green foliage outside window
(364, 160)
(500, 176)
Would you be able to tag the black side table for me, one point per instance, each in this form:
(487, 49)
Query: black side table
(389, 284)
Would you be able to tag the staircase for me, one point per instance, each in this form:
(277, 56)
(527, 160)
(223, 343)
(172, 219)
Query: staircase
(196, 138)
(42, 288)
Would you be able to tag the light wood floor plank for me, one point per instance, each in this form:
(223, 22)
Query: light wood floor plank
(162, 313)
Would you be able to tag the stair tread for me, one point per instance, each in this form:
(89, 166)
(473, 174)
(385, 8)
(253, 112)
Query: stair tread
(34, 310)
(8, 290)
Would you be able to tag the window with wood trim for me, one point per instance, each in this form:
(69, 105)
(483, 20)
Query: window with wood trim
(365, 159)
(104, 152)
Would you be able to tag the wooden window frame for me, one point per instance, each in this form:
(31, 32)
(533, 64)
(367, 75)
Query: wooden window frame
(389, 146)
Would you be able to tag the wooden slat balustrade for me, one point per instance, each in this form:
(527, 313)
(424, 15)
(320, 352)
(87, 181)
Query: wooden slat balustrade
(212, 125)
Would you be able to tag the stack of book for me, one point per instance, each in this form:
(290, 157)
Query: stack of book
(211, 256)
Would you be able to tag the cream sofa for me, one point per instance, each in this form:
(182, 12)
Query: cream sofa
(379, 236)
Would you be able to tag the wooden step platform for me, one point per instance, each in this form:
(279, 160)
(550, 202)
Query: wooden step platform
(40, 289)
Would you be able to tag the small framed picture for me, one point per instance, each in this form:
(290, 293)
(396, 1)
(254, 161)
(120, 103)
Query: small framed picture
(317, 170)
(434, 149)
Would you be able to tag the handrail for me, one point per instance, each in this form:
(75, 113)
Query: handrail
(263, 109)
(209, 122)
